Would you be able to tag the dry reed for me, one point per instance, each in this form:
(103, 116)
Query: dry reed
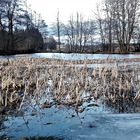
(35, 79)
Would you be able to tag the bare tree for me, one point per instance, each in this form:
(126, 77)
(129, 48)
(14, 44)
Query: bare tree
(101, 24)
(125, 17)
(109, 21)
(58, 30)
(12, 14)
(89, 29)
(79, 33)
(117, 23)
(2, 3)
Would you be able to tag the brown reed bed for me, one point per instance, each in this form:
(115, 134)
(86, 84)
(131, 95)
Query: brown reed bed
(27, 80)
(49, 61)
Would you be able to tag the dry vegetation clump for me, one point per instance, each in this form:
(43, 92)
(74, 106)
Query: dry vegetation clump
(32, 81)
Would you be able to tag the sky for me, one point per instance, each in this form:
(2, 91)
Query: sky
(48, 8)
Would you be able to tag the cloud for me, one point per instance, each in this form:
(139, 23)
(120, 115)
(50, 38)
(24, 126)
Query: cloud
(48, 8)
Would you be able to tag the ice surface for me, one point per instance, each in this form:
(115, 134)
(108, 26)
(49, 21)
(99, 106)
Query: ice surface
(75, 56)
(97, 124)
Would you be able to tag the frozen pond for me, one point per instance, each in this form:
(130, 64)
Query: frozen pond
(96, 124)
(74, 56)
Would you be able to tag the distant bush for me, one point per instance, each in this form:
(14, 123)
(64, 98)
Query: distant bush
(51, 43)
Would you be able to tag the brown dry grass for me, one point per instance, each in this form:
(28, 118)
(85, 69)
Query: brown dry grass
(27, 78)
(47, 61)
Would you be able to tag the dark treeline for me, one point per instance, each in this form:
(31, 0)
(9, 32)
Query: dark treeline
(114, 28)
(21, 29)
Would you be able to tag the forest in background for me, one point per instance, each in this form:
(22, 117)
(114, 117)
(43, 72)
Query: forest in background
(21, 29)
(114, 28)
